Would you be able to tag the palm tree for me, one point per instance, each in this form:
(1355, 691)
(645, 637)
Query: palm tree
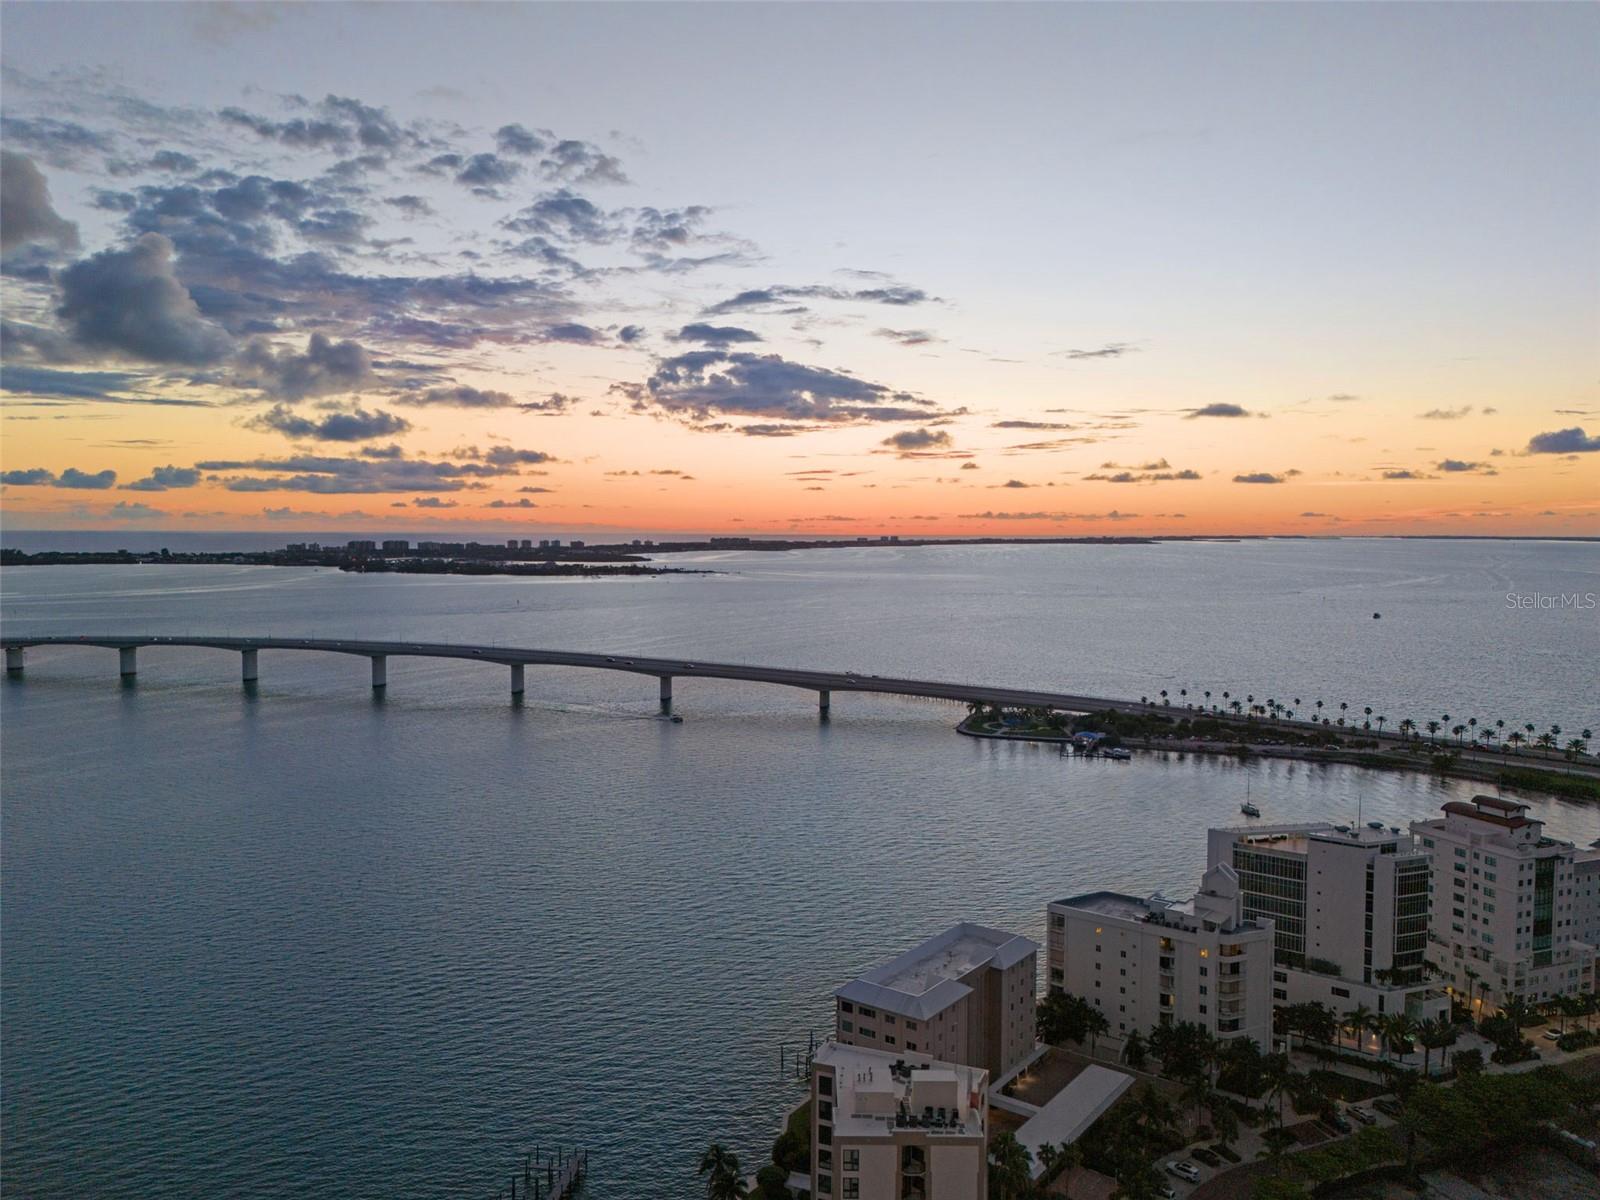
(1433, 728)
(1280, 1077)
(1010, 1167)
(720, 1166)
(1357, 1021)
(1097, 1024)
(1472, 981)
(1195, 1094)
(1576, 747)
(1514, 739)
(1398, 1031)
(1407, 728)
(1432, 1035)
(1381, 720)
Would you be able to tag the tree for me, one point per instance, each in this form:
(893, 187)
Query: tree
(1223, 1119)
(720, 1166)
(1010, 1167)
(1280, 1077)
(1097, 1024)
(1398, 1031)
(773, 1181)
(1357, 1022)
(1133, 1051)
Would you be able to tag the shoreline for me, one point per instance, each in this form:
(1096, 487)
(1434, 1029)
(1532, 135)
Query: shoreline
(1518, 774)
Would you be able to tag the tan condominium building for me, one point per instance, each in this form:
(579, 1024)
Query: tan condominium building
(1148, 961)
(1349, 912)
(966, 996)
(897, 1126)
(1505, 919)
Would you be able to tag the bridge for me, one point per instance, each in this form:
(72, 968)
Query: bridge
(665, 670)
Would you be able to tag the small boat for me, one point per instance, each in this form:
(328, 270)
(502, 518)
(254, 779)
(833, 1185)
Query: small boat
(1249, 810)
(1118, 753)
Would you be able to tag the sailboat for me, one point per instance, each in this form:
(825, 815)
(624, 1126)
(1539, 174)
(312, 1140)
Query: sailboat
(1248, 809)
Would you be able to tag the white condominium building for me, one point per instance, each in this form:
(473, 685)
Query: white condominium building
(1505, 916)
(1349, 911)
(897, 1127)
(1147, 961)
(966, 996)
(1586, 895)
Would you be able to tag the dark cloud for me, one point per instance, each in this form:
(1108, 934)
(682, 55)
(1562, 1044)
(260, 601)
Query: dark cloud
(1404, 473)
(432, 502)
(28, 477)
(1455, 466)
(523, 503)
(780, 298)
(551, 406)
(715, 335)
(357, 475)
(911, 440)
(1446, 414)
(1109, 350)
(301, 132)
(629, 334)
(704, 382)
(487, 171)
(1258, 477)
(459, 396)
(1016, 483)
(1563, 441)
(573, 333)
(1146, 475)
(1029, 425)
(516, 139)
(1218, 410)
(326, 368)
(164, 479)
(85, 480)
(99, 387)
(352, 425)
(1113, 515)
(59, 143)
(576, 161)
(130, 303)
(566, 215)
(26, 214)
(505, 456)
(409, 205)
(907, 337)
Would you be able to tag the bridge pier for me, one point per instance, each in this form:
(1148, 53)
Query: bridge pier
(14, 659)
(666, 693)
(128, 661)
(248, 672)
(824, 702)
(380, 671)
(516, 679)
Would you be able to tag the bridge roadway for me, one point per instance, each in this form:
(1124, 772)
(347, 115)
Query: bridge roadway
(664, 669)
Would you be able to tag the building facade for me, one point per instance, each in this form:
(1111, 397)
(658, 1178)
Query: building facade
(897, 1126)
(1505, 914)
(1349, 910)
(1144, 962)
(966, 996)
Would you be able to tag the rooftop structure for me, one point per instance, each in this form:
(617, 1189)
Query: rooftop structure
(966, 996)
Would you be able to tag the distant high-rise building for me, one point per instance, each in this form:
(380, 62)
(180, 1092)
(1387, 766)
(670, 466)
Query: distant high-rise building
(1505, 914)
(396, 546)
(1349, 909)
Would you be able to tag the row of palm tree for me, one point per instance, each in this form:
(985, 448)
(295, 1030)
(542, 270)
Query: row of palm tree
(1483, 732)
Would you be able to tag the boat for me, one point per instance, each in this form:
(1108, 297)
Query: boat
(1118, 753)
(1249, 810)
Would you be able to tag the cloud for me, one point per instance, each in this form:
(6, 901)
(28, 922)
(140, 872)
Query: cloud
(1145, 476)
(505, 456)
(124, 510)
(907, 337)
(432, 502)
(1218, 410)
(353, 425)
(326, 475)
(782, 298)
(523, 503)
(1445, 414)
(1029, 425)
(101, 387)
(569, 216)
(460, 396)
(581, 162)
(165, 479)
(1404, 473)
(28, 477)
(130, 303)
(1109, 350)
(1563, 441)
(1113, 515)
(1016, 483)
(85, 481)
(517, 139)
(1456, 466)
(715, 335)
(702, 382)
(1258, 477)
(327, 367)
(26, 214)
(969, 466)
(909, 441)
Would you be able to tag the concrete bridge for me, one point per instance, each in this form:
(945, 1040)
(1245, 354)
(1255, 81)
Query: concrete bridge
(665, 670)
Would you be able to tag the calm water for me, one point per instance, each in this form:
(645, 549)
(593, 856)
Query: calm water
(302, 942)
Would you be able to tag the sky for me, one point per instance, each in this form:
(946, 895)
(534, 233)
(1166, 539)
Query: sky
(830, 269)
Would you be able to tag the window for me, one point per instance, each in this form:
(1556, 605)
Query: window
(824, 1135)
(888, 1039)
(852, 1160)
(911, 1045)
(868, 1012)
(825, 1184)
(847, 1027)
(824, 1085)
(846, 1006)
(852, 1188)
(911, 1024)
(824, 1110)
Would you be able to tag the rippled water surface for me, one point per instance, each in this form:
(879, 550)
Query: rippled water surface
(298, 941)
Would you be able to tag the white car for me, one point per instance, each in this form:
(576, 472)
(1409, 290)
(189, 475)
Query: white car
(1552, 1035)
(1185, 1170)
(1365, 1115)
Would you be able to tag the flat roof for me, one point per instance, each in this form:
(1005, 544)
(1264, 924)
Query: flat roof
(927, 978)
(1113, 904)
(1071, 1111)
(875, 1093)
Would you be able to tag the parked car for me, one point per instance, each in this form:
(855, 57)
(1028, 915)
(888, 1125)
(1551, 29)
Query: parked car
(1337, 1121)
(1201, 1154)
(1164, 1190)
(1365, 1115)
(1388, 1107)
(1184, 1170)
(1552, 1035)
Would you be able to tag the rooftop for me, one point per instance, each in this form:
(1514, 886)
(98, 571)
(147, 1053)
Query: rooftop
(1297, 839)
(1113, 904)
(1073, 1109)
(927, 978)
(876, 1094)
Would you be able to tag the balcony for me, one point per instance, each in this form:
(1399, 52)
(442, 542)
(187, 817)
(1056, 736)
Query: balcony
(1230, 950)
